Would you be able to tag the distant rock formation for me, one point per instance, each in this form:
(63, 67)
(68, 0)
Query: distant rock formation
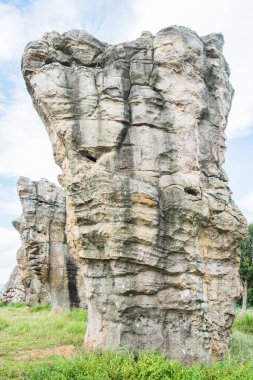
(14, 290)
(45, 268)
(138, 130)
(27, 290)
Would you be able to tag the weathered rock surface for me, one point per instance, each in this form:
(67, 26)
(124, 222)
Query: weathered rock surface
(22, 286)
(44, 262)
(14, 290)
(138, 130)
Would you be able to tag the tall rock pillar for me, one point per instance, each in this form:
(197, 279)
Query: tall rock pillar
(138, 130)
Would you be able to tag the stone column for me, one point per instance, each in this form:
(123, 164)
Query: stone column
(138, 130)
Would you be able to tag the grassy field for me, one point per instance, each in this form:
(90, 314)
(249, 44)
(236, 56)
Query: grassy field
(33, 343)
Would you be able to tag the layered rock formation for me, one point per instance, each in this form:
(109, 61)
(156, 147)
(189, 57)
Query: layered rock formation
(23, 287)
(14, 290)
(138, 130)
(46, 270)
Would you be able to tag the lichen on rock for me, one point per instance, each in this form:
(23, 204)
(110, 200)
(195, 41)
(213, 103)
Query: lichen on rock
(138, 130)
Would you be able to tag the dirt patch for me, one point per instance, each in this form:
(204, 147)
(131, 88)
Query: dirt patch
(65, 351)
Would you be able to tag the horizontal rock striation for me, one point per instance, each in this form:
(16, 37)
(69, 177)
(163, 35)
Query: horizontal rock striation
(44, 257)
(23, 287)
(138, 130)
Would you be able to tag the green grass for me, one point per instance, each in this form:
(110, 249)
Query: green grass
(3, 323)
(35, 309)
(242, 347)
(23, 328)
(13, 305)
(150, 366)
(244, 323)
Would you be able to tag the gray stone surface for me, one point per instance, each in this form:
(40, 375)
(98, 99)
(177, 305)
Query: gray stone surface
(46, 270)
(23, 286)
(14, 290)
(138, 130)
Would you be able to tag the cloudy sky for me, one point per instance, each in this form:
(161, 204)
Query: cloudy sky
(24, 145)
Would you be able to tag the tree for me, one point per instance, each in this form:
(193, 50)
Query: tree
(246, 268)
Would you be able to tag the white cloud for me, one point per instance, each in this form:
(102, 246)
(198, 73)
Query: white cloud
(246, 205)
(9, 203)
(5, 274)
(9, 239)
(25, 148)
(10, 207)
(11, 31)
(9, 242)
(18, 26)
